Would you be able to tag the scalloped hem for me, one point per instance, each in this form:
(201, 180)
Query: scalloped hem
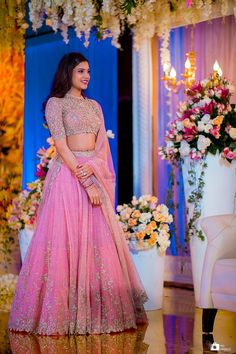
(108, 331)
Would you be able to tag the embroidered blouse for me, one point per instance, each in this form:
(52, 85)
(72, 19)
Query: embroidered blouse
(72, 115)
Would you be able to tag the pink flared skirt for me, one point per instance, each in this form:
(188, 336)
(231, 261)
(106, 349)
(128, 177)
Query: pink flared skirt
(77, 276)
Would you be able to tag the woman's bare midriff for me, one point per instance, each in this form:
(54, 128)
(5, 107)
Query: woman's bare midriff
(81, 142)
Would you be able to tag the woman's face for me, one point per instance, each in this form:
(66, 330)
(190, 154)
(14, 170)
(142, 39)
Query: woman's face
(81, 76)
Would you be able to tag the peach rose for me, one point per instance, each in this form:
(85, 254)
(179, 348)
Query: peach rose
(132, 222)
(153, 199)
(136, 214)
(140, 235)
(187, 123)
(151, 242)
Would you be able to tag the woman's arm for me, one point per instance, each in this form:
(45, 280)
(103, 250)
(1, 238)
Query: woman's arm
(54, 119)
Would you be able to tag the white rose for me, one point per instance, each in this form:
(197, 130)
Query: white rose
(169, 144)
(203, 102)
(170, 219)
(204, 82)
(124, 215)
(162, 208)
(205, 119)
(179, 125)
(208, 127)
(201, 126)
(119, 208)
(203, 142)
(145, 217)
(184, 149)
(141, 227)
(232, 133)
(110, 134)
(134, 201)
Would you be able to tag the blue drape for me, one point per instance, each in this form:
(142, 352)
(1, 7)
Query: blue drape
(165, 114)
(42, 55)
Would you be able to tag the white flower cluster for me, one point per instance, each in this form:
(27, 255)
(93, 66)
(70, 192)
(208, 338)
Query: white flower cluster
(145, 223)
(110, 134)
(145, 18)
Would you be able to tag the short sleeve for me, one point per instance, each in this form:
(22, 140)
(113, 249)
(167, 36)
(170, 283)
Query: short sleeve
(53, 113)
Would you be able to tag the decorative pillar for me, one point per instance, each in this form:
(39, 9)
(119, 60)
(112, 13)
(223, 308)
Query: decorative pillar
(142, 119)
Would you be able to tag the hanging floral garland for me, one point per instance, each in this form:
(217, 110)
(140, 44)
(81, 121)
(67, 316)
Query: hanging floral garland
(110, 18)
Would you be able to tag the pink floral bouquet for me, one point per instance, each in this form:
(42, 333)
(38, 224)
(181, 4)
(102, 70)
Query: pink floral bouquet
(45, 155)
(24, 207)
(23, 211)
(206, 122)
(145, 223)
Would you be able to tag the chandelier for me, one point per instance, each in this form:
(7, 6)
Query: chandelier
(188, 78)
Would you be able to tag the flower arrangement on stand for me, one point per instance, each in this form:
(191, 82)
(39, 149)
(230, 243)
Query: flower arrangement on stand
(146, 227)
(145, 223)
(205, 123)
(23, 210)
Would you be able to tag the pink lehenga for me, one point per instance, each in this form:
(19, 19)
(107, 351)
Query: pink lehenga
(78, 276)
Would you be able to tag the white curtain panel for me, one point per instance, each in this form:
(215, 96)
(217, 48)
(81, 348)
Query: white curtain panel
(142, 119)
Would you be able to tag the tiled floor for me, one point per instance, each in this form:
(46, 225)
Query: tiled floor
(176, 329)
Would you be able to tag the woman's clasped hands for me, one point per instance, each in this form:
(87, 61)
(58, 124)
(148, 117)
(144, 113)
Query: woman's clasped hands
(83, 173)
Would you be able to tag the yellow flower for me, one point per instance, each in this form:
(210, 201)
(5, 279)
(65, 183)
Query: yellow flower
(218, 120)
(153, 224)
(148, 229)
(154, 235)
(151, 242)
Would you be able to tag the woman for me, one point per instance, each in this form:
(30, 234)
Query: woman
(77, 276)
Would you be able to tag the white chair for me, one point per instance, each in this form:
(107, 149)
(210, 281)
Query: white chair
(218, 280)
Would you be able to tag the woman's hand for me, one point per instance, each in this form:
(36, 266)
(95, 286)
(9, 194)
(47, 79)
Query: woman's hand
(83, 171)
(94, 195)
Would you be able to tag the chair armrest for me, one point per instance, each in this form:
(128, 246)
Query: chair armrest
(220, 231)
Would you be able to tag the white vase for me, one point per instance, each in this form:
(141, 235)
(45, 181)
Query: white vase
(218, 198)
(220, 186)
(150, 266)
(25, 237)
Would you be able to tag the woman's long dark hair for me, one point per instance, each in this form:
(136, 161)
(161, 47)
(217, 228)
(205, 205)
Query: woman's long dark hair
(63, 77)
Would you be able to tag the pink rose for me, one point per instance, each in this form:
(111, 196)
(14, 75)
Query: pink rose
(196, 88)
(215, 131)
(224, 93)
(40, 172)
(194, 155)
(228, 154)
(189, 133)
(208, 108)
